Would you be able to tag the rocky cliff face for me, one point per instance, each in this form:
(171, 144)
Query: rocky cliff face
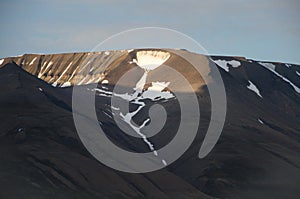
(83, 68)
(63, 69)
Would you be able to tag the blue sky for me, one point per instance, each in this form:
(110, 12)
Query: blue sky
(257, 29)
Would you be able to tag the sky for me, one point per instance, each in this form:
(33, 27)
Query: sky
(267, 30)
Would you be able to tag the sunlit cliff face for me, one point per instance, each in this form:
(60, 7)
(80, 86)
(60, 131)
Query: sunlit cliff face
(68, 69)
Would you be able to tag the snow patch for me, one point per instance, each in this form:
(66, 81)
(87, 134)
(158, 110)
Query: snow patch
(234, 63)
(149, 60)
(1, 61)
(106, 53)
(224, 64)
(288, 65)
(260, 121)
(66, 84)
(155, 92)
(272, 67)
(40, 89)
(104, 81)
(254, 88)
(297, 73)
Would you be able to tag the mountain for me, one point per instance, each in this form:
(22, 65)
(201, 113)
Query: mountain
(42, 155)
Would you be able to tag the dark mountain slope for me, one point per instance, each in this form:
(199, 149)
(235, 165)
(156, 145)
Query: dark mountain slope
(257, 156)
(42, 156)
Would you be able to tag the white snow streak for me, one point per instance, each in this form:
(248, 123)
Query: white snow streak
(288, 65)
(44, 70)
(32, 61)
(107, 114)
(102, 91)
(272, 67)
(269, 66)
(148, 60)
(254, 88)
(63, 73)
(1, 61)
(260, 121)
(153, 93)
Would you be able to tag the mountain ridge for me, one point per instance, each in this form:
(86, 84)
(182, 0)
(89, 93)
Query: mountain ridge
(256, 156)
